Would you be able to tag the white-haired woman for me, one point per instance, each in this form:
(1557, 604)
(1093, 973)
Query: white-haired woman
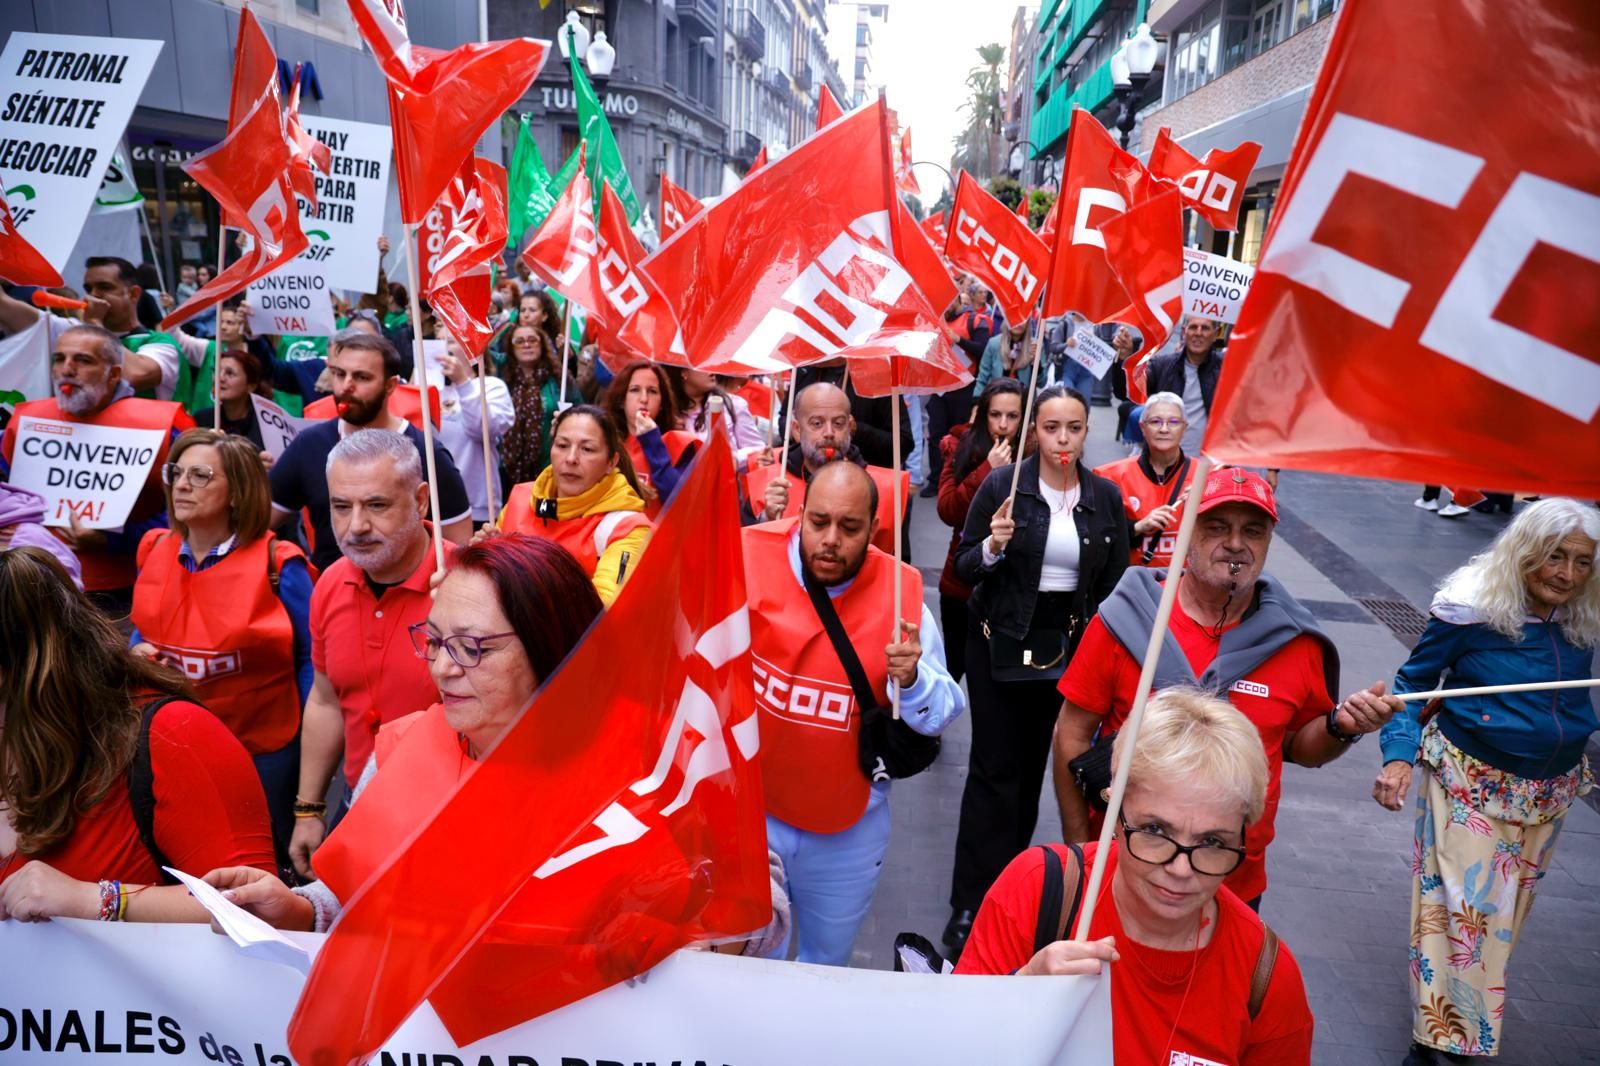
(1501, 771)
(1199, 977)
(1153, 480)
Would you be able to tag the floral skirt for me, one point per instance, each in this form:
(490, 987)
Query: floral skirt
(1484, 839)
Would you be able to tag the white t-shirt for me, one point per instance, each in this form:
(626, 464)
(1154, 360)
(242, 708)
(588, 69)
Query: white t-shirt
(1061, 549)
(165, 355)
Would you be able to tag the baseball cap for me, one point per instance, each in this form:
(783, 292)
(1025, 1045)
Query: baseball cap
(1238, 485)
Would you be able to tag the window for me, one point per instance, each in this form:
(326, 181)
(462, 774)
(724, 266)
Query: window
(1195, 55)
(669, 68)
(308, 6)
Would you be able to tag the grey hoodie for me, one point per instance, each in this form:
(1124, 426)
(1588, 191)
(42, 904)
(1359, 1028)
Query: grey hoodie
(22, 515)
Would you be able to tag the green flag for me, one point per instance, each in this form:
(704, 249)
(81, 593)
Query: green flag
(605, 159)
(530, 196)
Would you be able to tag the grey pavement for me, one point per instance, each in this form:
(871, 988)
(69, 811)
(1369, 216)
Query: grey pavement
(1340, 867)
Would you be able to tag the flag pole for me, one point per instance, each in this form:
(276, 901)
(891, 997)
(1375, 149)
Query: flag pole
(1128, 735)
(899, 530)
(783, 456)
(1496, 690)
(1027, 412)
(489, 494)
(566, 350)
(216, 359)
(412, 250)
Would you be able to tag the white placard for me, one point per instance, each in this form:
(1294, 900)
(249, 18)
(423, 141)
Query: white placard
(96, 471)
(278, 427)
(178, 994)
(1089, 351)
(344, 226)
(64, 102)
(1214, 286)
(292, 299)
(432, 351)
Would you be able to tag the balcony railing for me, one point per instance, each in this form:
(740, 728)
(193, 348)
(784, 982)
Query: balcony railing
(745, 146)
(750, 33)
(802, 79)
(705, 14)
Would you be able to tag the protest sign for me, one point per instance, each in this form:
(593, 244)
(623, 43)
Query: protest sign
(292, 299)
(96, 471)
(278, 427)
(351, 199)
(1214, 286)
(66, 101)
(107, 989)
(1090, 351)
(432, 352)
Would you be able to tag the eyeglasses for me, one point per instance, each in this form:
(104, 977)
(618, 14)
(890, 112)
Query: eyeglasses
(200, 475)
(1164, 423)
(1150, 845)
(465, 651)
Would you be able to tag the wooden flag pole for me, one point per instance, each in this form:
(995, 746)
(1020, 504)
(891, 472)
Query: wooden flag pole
(783, 456)
(412, 251)
(216, 360)
(1496, 690)
(489, 493)
(1027, 410)
(1128, 735)
(899, 530)
(566, 351)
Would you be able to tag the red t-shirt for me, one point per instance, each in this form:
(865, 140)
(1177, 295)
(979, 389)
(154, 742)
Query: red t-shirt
(1280, 696)
(210, 810)
(360, 643)
(1159, 1012)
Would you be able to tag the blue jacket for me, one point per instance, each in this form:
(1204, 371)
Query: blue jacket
(1530, 734)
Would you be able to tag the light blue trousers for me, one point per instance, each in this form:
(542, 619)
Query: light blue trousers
(831, 879)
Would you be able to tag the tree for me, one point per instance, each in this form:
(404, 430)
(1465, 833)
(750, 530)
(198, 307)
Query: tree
(977, 147)
(914, 205)
(1006, 189)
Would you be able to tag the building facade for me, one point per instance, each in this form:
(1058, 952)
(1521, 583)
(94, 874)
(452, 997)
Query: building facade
(1019, 98)
(856, 25)
(777, 61)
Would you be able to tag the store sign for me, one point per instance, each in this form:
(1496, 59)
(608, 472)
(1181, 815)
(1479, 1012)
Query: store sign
(558, 98)
(351, 201)
(64, 103)
(677, 120)
(150, 153)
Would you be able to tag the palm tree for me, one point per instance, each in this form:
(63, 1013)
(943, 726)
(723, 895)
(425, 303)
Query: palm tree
(977, 146)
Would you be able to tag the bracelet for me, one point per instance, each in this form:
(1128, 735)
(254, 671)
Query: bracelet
(1338, 734)
(122, 902)
(110, 901)
(305, 808)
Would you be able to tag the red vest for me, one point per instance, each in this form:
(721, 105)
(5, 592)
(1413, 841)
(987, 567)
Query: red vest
(226, 629)
(810, 763)
(756, 481)
(587, 538)
(677, 442)
(102, 569)
(1140, 496)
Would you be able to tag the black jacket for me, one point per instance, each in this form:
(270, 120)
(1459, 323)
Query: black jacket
(1166, 375)
(1004, 594)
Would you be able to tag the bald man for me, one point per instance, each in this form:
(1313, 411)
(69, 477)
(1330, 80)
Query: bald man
(827, 798)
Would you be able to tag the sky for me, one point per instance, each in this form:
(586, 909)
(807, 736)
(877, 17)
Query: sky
(923, 58)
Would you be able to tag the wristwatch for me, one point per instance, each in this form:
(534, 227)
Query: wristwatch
(1338, 734)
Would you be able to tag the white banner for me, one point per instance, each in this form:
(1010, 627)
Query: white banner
(348, 218)
(292, 299)
(64, 102)
(96, 991)
(1214, 286)
(1089, 351)
(97, 471)
(278, 427)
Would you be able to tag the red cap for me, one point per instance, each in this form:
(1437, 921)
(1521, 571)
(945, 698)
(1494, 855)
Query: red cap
(1238, 485)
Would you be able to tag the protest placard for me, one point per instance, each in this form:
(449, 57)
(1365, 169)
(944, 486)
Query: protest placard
(1214, 286)
(96, 471)
(343, 228)
(278, 427)
(1090, 351)
(292, 299)
(66, 101)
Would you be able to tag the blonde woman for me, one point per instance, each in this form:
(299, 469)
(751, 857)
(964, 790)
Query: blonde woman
(1198, 978)
(1500, 772)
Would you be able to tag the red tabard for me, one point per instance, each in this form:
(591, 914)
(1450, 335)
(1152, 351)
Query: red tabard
(101, 569)
(755, 485)
(1140, 496)
(677, 442)
(810, 765)
(227, 631)
(586, 538)
(405, 402)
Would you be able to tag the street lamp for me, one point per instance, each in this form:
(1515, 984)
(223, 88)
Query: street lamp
(602, 58)
(574, 37)
(1131, 65)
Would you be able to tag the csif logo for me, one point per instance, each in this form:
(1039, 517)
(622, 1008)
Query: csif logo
(20, 213)
(321, 247)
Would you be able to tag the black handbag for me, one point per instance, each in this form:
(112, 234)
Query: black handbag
(889, 747)
(1040, 656)
(1093, 771)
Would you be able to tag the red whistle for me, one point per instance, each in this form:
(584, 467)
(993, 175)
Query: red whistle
(67, 388)
(342, 408)
(41, 298)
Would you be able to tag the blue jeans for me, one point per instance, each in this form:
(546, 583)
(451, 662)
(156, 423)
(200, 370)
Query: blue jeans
(279, 772)
(916, 406)
(831, 879)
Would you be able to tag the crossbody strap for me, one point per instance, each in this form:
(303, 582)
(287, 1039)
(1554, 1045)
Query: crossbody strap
(141, 785)
(1057, 913)
(822, 603)
(1261, 979)
(1154, 539)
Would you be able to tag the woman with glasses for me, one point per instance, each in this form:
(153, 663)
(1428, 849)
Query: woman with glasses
(1154, 481)
(223, 599)
(531, 369)
(1198, 977)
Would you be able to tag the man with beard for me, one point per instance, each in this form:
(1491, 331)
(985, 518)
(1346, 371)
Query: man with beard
(365, 369)
(822, 430)
(86, 376)
(366, 671)
(827, 818)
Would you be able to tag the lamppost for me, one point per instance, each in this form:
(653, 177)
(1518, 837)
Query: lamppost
(597, 54)
(1131, 65)
(943, 170)
(1050, 171)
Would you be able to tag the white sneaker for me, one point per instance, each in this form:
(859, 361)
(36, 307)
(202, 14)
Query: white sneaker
(1453, 510)
(1426, 505)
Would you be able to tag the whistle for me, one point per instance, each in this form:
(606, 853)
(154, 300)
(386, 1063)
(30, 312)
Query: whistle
(342, 408)
(1234, 568)
(42, 298)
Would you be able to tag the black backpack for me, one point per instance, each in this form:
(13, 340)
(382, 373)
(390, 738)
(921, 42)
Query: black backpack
(141, 788)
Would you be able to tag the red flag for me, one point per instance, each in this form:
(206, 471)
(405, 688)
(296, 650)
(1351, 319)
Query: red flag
(1213, 186)
(1144, 247)
(772, 296)
(20, 262)
(903, 179)
(828, 108)
(934, 227)
(759, 161)
(474, 210)
(248, 173)
(307, 150)
(640, 824)
(991, 242)
(1022, 209)
(440, 102)
(677, 207)
(1101, 181)
(1436, 231)
(642, 317)
(255, 74)
(565, 250)
(1047, 228)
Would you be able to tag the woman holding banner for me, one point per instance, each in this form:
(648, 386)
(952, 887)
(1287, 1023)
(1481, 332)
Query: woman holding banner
(588, 500)
(1198, 978)
(1500, 771)
(221, 597)
(111, 770)
(640, 402)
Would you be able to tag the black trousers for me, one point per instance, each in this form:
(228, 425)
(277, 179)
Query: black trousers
(953, 623)
(945, 411)
(1012, 723)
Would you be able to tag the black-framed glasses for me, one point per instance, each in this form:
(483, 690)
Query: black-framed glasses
(1151, 845)
(464, 650)
(200, 475)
